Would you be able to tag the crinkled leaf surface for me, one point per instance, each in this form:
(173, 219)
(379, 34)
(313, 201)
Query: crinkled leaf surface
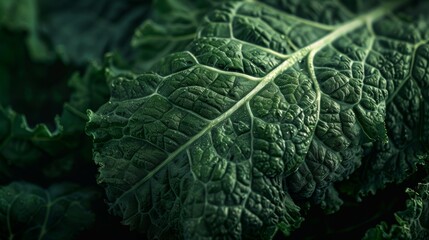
(22, 146)
(407, 113)
(269, 101)
(172, 25)
(30, 212)
(413, 222)
(27, 87)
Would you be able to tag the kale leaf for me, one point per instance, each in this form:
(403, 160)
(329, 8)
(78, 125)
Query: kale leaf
(229, 119)
(407, 113)
(267, 107)
(30, 212)
(413, 222)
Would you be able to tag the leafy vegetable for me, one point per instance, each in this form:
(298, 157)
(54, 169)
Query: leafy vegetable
(170, 28)
(22, 15)
(406, 118)
(30, 212)
(212, 119)
(23, 147)
(102, 25)
(221, 138)
(412, 222)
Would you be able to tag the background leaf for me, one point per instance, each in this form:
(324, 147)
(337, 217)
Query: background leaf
(30, 212)
(412, 223)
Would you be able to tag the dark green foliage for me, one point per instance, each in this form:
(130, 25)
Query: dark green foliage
(412, 223)
(232, 119)
(30, 212)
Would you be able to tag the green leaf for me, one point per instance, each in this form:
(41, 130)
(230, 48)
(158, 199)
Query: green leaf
(89, 91)
(29, 86)
(22, 147)
(407, 114)
(52, 27)
(268, 101)
(22, 15)
(331, 202)
(18, 14)
(412, 223)
(82, 31)
(27, 152)
(30, 212)
(171, 27)
(35, 142)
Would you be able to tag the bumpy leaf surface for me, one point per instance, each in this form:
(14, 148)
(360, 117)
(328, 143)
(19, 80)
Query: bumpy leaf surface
(30, 212)
(172, 25)
(270, 101)
(407, 108)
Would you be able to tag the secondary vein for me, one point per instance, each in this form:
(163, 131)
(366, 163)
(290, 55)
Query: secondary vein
(292, 60)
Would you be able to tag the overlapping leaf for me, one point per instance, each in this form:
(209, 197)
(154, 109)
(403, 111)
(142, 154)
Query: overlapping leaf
(412, 223)
(172, 25)
(50, 148)
(23, 16)
(86, 30)
(30, 212)
(407, 108)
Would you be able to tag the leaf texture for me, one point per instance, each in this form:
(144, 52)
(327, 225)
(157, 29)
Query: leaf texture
(407, 108)
(171, 26)
(268, 105)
